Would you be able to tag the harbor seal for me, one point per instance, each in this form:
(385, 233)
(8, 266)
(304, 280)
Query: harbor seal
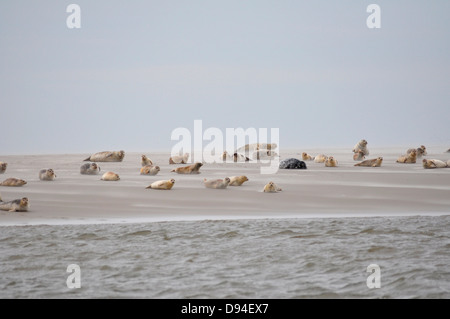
(448, 151)
(238, 180)
(421, 151)
(409, 158)
(150, 170)
(271, 187)
(361, 146)
(264, 154)
(13, 182)
(434, 163)
(358, 156)
(17, 205)
(110, 176)
(371, 163)
(145, 161)
(47, 175)
(191, 169)
(3, 167)
(179, 159)
(331, 162)
(89, 169)
(106, 156)
(292, 163)
(167, 185)
(320, 158)
(217, 183)
(307, 157)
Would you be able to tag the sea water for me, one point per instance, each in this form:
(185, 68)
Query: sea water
(263, 258)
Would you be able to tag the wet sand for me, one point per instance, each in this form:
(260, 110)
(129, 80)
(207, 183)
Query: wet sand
(319, 191)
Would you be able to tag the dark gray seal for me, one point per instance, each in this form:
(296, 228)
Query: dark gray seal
(292, 163)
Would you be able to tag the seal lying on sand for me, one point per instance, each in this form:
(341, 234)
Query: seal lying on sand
(331, 162)
(307, 157)
(110, 176)
(237, 180)
(89, 169)
(106, 157)
(271, 188)
(13, 182)
(371, 163)
(434, 163)
(408, 158)
(191, 169)
(150, 170)
(17, 205)
(217, 183)
(292, 163)
(167, 185)
(421, 151)
(179, 159)
(3, 167)
(47, 175)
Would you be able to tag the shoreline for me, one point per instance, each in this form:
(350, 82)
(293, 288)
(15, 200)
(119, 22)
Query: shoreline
(150, 220)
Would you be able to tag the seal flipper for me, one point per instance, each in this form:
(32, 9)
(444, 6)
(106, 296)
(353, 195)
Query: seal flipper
(87, 159)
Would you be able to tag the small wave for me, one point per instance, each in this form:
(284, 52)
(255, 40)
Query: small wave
(138, 233)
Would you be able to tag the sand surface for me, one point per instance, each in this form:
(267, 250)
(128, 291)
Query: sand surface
(393, 189)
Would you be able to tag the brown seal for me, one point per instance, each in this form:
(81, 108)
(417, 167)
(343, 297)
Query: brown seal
(371, 163)
(106, 156)
(13, 182)
(237, 180)
(331, 162)
(409, 158)
(307, 157)
(190, 169)
(167, 185)
(110, 176)
(421, 151)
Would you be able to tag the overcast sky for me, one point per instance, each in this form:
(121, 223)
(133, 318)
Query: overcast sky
(137, 70)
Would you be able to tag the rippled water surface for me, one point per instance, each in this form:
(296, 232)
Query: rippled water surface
(270, 258)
